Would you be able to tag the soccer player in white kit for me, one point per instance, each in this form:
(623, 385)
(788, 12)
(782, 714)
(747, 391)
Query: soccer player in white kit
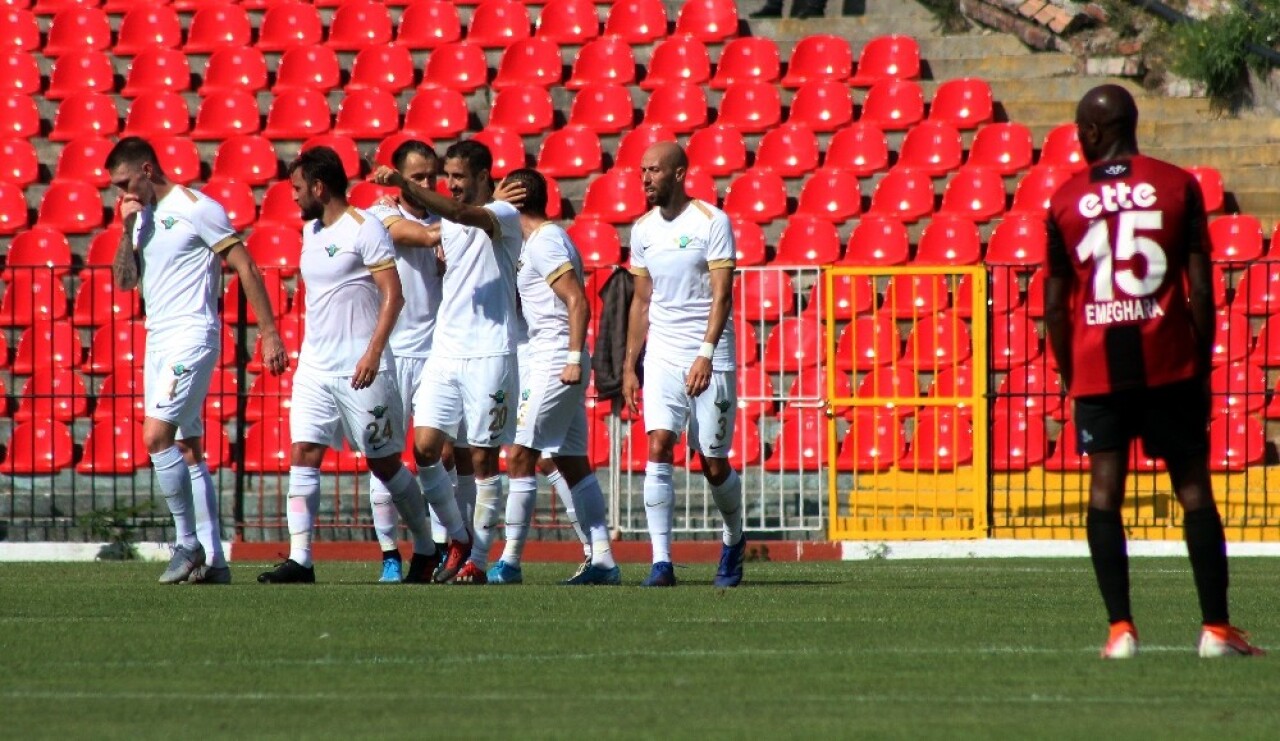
(551, 417)
(171, 240)
(470, 381)
(682, 257)
(345, 383)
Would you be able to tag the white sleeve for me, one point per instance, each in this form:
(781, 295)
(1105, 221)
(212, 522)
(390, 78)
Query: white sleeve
(637, 251)
(385, 215)
(377, 251)
(720, 248)
(212, 225)
(550, 256)
(507, 217)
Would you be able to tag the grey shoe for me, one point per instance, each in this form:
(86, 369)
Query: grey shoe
(183, 563)
(210, 575)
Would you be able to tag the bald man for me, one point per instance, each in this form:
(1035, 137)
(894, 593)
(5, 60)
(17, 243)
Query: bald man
(1129, 308)
(682, 257)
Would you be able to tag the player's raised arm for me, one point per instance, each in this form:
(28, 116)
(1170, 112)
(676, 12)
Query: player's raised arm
(274, 355)
(452, 209)
(1057, 292)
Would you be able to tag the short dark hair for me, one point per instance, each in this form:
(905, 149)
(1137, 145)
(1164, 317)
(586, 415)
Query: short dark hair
(412, 146)
(132, 150)
(323, 164)
(475, 154)
(535, 190)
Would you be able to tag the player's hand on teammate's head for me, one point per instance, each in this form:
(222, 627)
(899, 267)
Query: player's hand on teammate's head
(511, 191)
(387, 201)
(699, 377)
(572, 374)
(388, 176)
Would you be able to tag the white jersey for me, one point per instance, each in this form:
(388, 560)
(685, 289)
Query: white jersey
(342, 303)
(177, 242)
(548, 254)
(478, 316)
(678, 255)
(420, 283)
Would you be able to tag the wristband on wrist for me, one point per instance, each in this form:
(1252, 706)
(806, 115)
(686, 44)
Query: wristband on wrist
(707, 350)
(573, 357)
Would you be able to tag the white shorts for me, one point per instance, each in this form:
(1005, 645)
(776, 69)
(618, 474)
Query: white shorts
(551, 417)
(326, 409)
(408, 378)
(667, 407)
(469, 399)
(175, 383)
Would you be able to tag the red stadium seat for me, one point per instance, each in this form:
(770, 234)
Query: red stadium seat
(751, 107)
(307, 68)
(266, 446)
(279, 208)
(932, 147)
(893, 385)
(19, 116)
(1018, 441)
(764, 295)
(873, 443)
(878, 240)
(949, 240)
(819, 57)
(938, 341)
(1003, 147)
(39, 249)
(568, 21)
(808, 241)
(793, 344)
(1236, 239)
(1258, 292)
(955, 381)
(386, 68)
(147, 27)
(86, 71)
(80, 115)
(73, 30)
(113, 449)
(894, 105)
(748, 349)
(717, 150)
(157, 114)
(1210, 186)
(699, 184)
(1237, 388)
(179, 158)
(636, 142)
(904, 194)
(909, 296)
(555, 201)
(507, 148)
(1035, 292)
(597, 243)
(291, 329)
(708, 20)
(1061, 149)
(530, 62)
(388, 146)
(860, 148)
(571, 152)
(605, 61)
(115, 345)
(680, 107)
(831, 194)
(436, 113)
(366, 114)
(84, 159)
(810, 384)
(637, 21)
(498, 24)
(233, 69)
(236, 198)
(20, 31)
(227, 115)
(1013, 339)
(943, 441)
(974, 193)
(269, 397)
(757, 195)
(276, 248)
(121, 395)
(748, 239)
(965, 103)
(1032, 387)
(102, 248)
(19, 73)
(357, 25)
(99, 302)
(71, 207)
(37, 448)
(1236, 441)
(19, 164)
(457, 66)
(297, 114)
(56, 394)
(13, 208)
(822, 105)
(526, 109)
(791, 150)
(892, 57)
(286, 25)
(216, 27)
(748, 59)
(852, 295)
(47, 346)
(679, 59)
(605, 109)
(868, 342)
(1036, 188)
(277, 292)
(249, 159)
(427, 24)
(801, 445)
(1019, 239)
(616, 197)
(365, 193)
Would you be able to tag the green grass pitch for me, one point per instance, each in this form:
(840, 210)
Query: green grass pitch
(880, 649)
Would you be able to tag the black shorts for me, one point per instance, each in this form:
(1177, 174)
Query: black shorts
(1172, 420)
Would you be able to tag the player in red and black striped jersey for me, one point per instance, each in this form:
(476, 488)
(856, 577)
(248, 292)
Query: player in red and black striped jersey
(1129, 308)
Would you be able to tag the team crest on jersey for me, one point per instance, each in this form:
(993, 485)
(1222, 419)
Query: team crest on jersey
(500, 397)
(181, 370)
(378, 411)
(331, 249)
(722, 405)
(524, 395)
(684, 241)
(168, 222)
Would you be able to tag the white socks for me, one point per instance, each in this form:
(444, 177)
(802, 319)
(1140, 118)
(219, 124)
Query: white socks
(659, 508)
(588, 500)
(561, 488)
(438, 492)
(408, 501)
(464, 491)
(521, 501)
(208, 514)
(175, 483)
(728, 496)
(484, 522)
(384, 514)
(304, 503)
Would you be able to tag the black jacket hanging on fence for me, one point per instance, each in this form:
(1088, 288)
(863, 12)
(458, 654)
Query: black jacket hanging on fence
(610, 354)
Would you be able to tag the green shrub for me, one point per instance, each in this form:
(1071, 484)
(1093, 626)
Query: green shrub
(947, 13)
(1215, 51)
